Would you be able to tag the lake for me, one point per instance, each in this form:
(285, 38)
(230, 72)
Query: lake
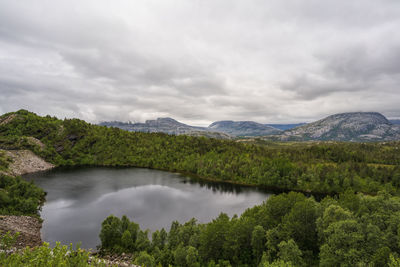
(79, 199)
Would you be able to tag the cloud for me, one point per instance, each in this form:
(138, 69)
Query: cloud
(200, 61)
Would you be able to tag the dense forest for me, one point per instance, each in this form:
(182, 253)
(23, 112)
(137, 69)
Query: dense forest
(287, 230)
(308, 167)
(357, 223)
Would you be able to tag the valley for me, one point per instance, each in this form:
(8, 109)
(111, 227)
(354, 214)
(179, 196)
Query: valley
(351, 179)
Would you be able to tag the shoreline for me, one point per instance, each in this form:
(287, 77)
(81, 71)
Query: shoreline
(25, 167)
(28, 227)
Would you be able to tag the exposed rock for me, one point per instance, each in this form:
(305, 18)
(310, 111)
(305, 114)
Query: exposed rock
(29, 235)
(25, 161)
(37, 142)
(7, 119)
(285, 127)
(28, 227)
(220, 130)
(355, 126)
(123, 260)
(168, 126)
(243, 128)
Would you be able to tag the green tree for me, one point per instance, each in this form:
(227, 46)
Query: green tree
(110, 234)
(381, 257)
(290, 252)
(333, 213)
(278, 263)
(142, 241)
(127, 241)
(344, 244)
(180, 254)
(192, 257)
(145, 260)
(213, 237)
(300, 224)
(258, 242)
(394, 261)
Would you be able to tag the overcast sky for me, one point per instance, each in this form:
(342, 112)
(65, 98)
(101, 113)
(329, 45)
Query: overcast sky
(199, 61)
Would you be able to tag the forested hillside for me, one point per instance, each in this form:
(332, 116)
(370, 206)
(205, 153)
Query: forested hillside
(347, 229)
(309, 167)
(287, 230)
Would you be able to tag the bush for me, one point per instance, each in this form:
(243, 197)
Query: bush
(45, 256)
(18, 197)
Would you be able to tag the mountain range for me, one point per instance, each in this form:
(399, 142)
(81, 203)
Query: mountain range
(352, 126)
(218, 129)
(243, 128)
(167, 125)
(284, 127)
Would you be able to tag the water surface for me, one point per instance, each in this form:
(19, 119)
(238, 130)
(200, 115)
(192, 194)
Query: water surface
(78, 200)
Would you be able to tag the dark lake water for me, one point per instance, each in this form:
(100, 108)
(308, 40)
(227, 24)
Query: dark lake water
(78, 200)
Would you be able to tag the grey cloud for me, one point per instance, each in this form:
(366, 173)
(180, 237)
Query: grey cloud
(134, 70)
(200, 61)
(361, 63)
(354, 69)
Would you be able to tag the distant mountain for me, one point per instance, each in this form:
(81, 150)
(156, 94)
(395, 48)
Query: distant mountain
(355, 126)
(243, 128)
(284, 127)
(219, 129)
(395, 121)
(166, 125)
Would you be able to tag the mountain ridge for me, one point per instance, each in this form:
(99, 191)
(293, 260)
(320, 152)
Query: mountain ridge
(243, 128)
(218, 129)
(349, 126)
(166, 125)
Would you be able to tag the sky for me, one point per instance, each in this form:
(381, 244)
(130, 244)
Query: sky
(199, 61)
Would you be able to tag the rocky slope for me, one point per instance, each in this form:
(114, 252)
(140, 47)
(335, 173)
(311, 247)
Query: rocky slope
(164, 125)
(243, 128)
(28, 227)
(25, 161)
(18, 162)
(219, 129)
(285, 127)
(168, 126)
(22, 161)
(355, 126)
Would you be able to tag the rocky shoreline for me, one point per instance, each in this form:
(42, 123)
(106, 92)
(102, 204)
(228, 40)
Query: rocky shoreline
(29, 235)
(28, 227)
(123, 260)
(25, 161)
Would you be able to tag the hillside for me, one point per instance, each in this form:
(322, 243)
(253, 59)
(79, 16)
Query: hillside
(356, 126)
(243, 128)
(292, 222)
(219, 129)
(168, 126)
(311, 167)
(284, 127)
